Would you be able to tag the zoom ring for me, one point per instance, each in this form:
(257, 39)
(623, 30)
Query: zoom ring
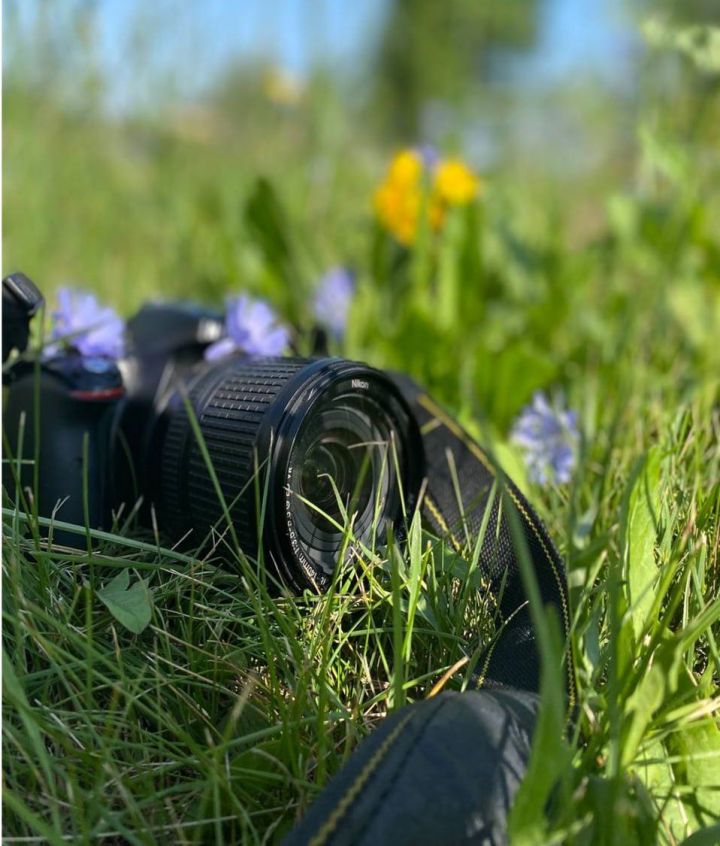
(230, 402)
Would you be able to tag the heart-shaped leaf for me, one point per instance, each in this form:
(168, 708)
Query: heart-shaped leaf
(130, 606)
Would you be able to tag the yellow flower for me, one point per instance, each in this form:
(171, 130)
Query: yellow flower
(407, 190)
(399, 198)
(405, 169)
(397, 209)
(455, 183)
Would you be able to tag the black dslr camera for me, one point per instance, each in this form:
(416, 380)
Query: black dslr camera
(295, 445)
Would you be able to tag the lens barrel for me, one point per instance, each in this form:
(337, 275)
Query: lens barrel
(298, 447)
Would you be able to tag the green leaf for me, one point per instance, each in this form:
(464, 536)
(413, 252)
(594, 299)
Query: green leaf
(510, 459)
(448, 294)
(697, 310)
(267, 221)
(657, 774)
(640, 536)
(130, 606)
(655, 685)
(709, 836)
(520, 364)
(698, 747)
(700, 42)
(550, 756)
(268, 224)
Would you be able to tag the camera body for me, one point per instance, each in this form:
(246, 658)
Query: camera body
(84, 419)
(273, 457)
(63, 414)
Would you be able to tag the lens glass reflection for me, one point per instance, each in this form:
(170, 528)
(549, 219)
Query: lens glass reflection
(344, 469)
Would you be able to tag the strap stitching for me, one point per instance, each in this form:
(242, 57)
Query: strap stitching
(329, 826)
(437, 514)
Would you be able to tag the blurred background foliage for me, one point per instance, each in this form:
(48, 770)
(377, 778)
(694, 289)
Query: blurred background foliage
(135, 136)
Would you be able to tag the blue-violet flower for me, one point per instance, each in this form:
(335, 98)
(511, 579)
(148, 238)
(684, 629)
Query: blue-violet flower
(333, 298)
(83, 323)
(548, 436)
(430, 156)
(251, 327)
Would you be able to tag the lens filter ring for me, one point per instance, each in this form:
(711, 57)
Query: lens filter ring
(336, 462)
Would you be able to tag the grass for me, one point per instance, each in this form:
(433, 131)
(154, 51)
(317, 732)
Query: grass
(189, 732)
(224, 717)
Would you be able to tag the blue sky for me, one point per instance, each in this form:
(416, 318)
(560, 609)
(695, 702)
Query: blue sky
(190, 40)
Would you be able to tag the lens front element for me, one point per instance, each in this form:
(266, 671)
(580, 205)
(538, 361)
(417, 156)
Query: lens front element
(344, 469)
(342, 473)
(335, 474)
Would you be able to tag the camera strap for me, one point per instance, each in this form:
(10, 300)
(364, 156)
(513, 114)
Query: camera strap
(466, 502)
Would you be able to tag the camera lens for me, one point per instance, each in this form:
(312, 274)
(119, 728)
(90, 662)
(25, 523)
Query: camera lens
(312, 457)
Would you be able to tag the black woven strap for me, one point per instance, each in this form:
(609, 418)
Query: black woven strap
(467, 494)
(441, 771)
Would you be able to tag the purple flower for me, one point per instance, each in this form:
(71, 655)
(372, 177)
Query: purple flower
(252, 328)
(333, 298)
(429, 155)
(548, 436)
(90, 328)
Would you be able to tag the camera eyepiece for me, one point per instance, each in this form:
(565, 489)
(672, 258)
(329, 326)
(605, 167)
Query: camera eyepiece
(20, 301)
(308, 444)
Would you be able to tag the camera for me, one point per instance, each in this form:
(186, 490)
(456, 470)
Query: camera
(291, 456)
